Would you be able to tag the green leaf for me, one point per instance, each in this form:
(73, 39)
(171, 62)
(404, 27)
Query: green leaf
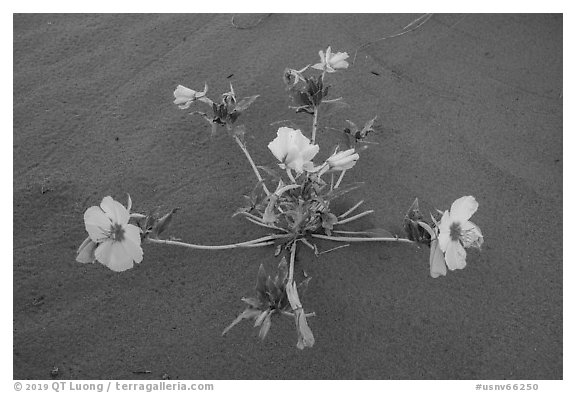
(232, 117)
(368, 127)
(413, 212)
(265, 328)
(428, 229)
(274, 292)
(303, 287)
(306, 109)
(300, 98)
(278, 250)
(328, 220)
(261, 284)
(242, 210)
(332, 106)
(252, 302)
(282, 275)
(249, 313)
(245, 103)
(260, 318)
(269, 217)
(240, 132)
(271, 172)
(338, 192)
(162, 224)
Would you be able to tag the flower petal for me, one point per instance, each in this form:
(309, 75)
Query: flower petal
(97, 224)
(305, 336)
(471, 235)
(343, 160)
(114, 255)
(445, 221)
(444, 227)
(309, 152)
(437, 261)
(280, 145)
(115, 211)
(341, 65)
(338, 57)
(86, 251)
(183, 94)
(299, 140)
(295, 162)
(131, 243)
(463, 208)
(455, 255)
(443, 240)
(132, 232)
(103, 252)
(328, 54)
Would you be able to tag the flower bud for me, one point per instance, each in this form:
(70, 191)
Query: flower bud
(330, 62)
(184, 97)
(343, 160)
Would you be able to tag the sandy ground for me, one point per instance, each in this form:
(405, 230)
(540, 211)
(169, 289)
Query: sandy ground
(468, 105)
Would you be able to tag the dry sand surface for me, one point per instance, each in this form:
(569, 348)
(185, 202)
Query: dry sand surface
(467, 105)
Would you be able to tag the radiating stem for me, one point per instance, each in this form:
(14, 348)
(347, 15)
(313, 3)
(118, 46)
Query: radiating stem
(366, 233)
(282, 190)
(265, 225)
(290, 175)
(291, 314)
(331, 181)
(314, 124)
(356, 206)
(340, 179)
(361, 239)
(254, 168)
(357, 216)
(292, 259)
(332, 249)
(260, 242)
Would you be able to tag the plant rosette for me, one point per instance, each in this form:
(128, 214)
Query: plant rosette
(297, 212)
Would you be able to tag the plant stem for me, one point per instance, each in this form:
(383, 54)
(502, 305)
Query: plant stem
(290, 175)
(361, 239)
(314, 124)
(260, 242)
(356, 206)
(282, 190)
(340, 179)
(254, 168)
(366, 233)
(265, 225)
(331, 181)
(332, 249)
(291, 314)
(357, 216)
(292, 259)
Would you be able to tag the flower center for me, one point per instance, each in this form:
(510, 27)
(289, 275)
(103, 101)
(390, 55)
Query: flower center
(455, 231)
(117, 232)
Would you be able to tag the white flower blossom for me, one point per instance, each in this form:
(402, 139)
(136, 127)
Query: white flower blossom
(343, 160)
(331, 62)
(184, 97)
(293, 149)
(117, 243)
(458, 233)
